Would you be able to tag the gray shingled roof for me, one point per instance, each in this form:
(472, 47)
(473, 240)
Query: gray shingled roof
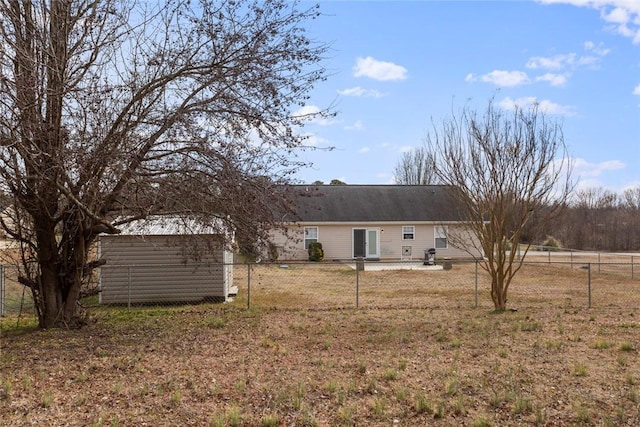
(375, 203)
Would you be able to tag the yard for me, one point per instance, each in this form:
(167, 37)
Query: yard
(303, 356)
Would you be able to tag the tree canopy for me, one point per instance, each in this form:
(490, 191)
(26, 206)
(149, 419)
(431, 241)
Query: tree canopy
(414, 168)
(505, 166)
(114, 111)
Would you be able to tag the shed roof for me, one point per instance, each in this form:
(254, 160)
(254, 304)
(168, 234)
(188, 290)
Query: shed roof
(166, 226)
(375, 203)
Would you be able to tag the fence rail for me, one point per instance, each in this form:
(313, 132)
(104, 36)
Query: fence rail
(341, 285)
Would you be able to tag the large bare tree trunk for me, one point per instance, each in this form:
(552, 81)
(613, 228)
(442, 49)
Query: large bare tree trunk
(498, 295)
(116, 111)
(499, 290)
(58, 286)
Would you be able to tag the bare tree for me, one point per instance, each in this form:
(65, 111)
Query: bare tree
(630, 219)
(599, 219)
(502, 167)
(116, 110)
(594, 212)
(631, 198)
(414, 168)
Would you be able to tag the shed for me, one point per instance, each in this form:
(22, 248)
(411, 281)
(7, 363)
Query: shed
(161, 261)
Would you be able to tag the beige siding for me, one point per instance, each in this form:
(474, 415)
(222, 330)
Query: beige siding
(151, 270)
(337, 241)
(290, 243)
(393, 244)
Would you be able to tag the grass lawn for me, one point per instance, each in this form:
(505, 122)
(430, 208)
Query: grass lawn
(416, 353)
(223, 365)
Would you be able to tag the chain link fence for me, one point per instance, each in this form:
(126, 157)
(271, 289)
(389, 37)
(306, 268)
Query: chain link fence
(541, 282)
(412, 285)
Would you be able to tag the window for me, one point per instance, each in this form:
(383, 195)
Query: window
(408, 232)
(310, 235)
(440, 234)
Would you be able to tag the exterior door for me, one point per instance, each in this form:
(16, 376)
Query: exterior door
(366, 243)
(359, 242)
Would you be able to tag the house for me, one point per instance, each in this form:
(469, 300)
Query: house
(394, 222)
(165, 261)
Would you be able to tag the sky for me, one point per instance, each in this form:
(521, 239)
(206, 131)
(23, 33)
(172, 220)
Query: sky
(397, 67)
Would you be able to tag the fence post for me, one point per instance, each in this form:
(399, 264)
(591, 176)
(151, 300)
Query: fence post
(2, 294)
(248, 286)
(129, 287)
(589, 282)
(357, 286)
(476, 290)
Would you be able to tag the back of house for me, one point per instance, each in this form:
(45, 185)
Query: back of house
(374, 222)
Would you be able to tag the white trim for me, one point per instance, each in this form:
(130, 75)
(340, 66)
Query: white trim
(413, 233)
(440, 232)
(304, 232)
(367, 253)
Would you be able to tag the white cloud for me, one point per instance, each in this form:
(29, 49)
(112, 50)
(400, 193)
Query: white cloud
(313, 140)
(598, 50)
(364, 150)
(617, 15)
(588, 61)
(632, 6)
(623, 21)
(358, 91)
(307, 110)
(544, 105)
(569, 60)
(585, 169)
(589, 175)
(379, 70)
(623, 16)
(636, 90)
(501, 78)
(556, 62)
(313, 115)
(553, 79)
(358, 125)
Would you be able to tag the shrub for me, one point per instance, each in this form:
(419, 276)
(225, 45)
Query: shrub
(315, 251)
(551, 244)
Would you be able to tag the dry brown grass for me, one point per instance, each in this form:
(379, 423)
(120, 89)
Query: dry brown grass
(417, 354)
(540, 283)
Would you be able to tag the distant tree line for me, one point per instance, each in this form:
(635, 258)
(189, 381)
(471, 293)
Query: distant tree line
(598, 219)
(333, 182)
(592, 219)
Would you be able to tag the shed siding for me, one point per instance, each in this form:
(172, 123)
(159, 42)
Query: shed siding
(150, 270)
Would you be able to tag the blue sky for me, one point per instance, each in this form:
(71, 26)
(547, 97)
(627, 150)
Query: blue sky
(396, 66)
